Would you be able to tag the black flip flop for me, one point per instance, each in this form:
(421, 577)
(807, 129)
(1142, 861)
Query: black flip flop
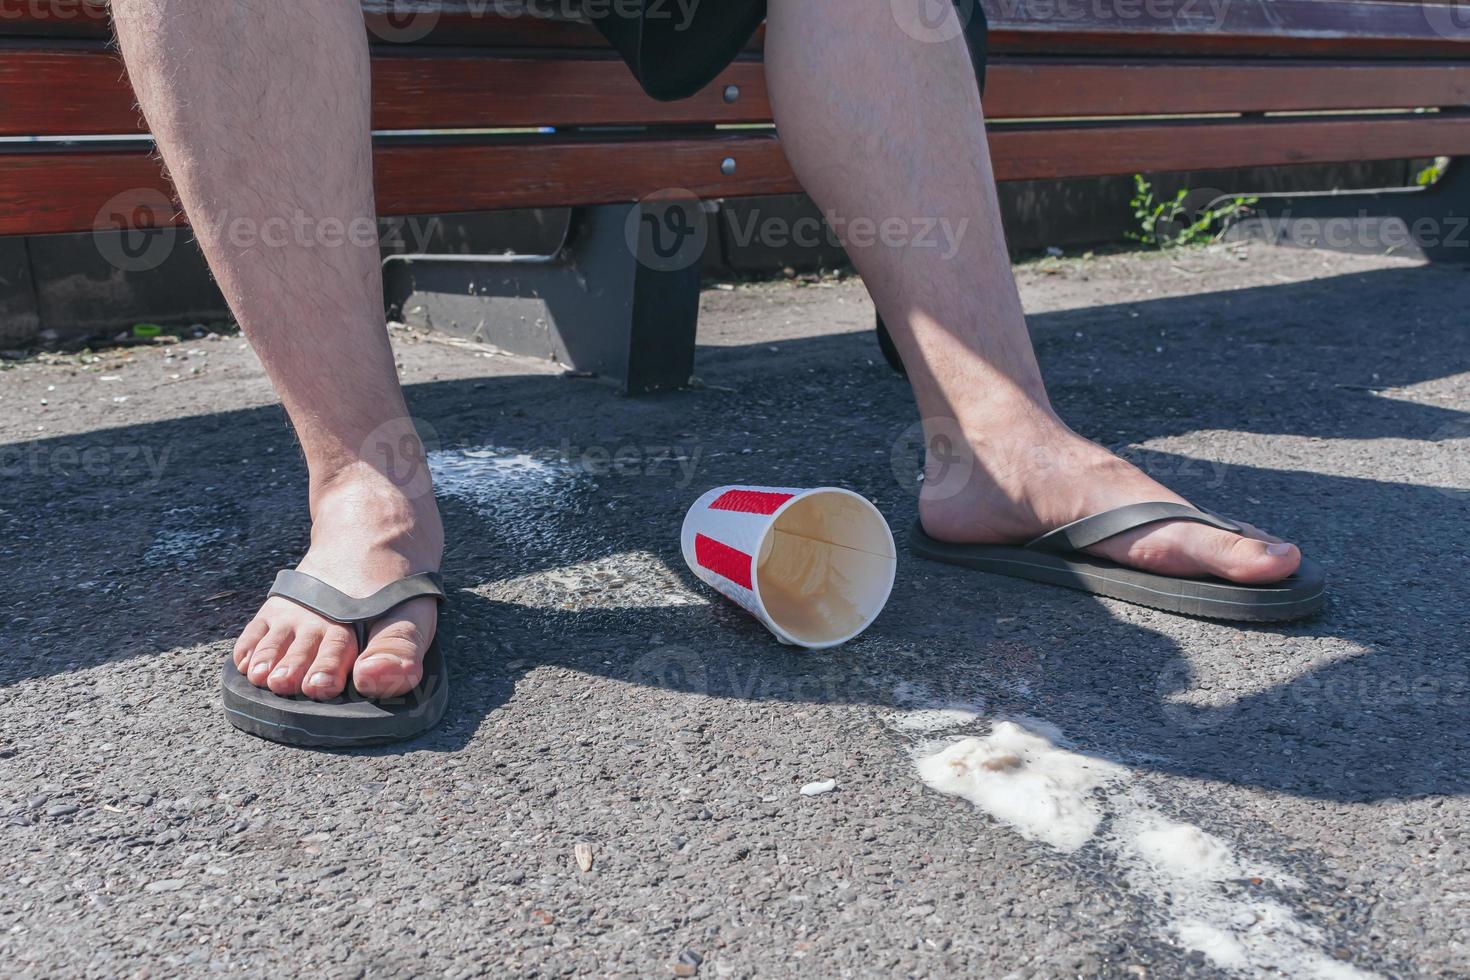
(349, 720)
(1055, 558)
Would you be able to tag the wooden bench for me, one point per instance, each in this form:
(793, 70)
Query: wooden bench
(1074, 90)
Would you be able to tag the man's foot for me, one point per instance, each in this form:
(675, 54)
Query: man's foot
(365, 533)
(1040, 475)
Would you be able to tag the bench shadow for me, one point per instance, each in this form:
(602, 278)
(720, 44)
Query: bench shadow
(143, 560)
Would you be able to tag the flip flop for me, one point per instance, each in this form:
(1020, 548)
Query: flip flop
(349, 720)
(1055, 558)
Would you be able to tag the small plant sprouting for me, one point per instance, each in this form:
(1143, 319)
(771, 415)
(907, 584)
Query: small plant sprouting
(1171, 224)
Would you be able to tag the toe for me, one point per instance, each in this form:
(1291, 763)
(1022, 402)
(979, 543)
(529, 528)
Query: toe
(1195, 550)
(392, 664)
(1248, 560)
(250, 637)
(1251, 531)
(270, 649)
(285, 677)
(327, 676)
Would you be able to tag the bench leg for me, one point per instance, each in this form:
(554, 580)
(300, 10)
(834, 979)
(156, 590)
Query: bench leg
(1432, 223)
(611, 301)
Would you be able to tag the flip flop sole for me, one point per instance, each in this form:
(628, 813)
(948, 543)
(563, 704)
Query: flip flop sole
(349, 721)
(1296, 597)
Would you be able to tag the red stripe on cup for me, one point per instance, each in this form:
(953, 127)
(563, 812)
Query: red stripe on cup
(723, 560)
(750, 501)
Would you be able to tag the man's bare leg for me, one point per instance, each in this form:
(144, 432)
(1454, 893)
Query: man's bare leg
(880, 125)
(261, 111)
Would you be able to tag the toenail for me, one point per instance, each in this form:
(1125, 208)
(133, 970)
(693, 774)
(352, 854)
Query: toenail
(1278, 548)
(280, 673)
(258, 671)
(322, 679)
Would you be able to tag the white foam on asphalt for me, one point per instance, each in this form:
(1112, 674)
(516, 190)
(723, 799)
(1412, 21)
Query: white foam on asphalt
(1209, 897)
(535, 505)
(920, 710)
(529, 502)
(1222, 948)
(183, 534)
(630, 580)
(1183, 850)
(933, 719)
(1023, 780)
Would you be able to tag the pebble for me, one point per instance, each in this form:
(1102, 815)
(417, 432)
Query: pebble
(164, 885)
(61, 809)
(817, 789)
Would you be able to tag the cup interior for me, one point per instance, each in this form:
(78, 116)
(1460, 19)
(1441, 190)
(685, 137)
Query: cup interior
(826, 567)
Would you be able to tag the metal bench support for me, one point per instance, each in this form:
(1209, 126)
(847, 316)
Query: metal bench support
(619, 298)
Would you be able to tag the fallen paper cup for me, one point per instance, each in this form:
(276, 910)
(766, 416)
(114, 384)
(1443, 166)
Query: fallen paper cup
(815, 566)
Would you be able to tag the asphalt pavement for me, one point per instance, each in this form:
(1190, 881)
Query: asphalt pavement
(617, 788)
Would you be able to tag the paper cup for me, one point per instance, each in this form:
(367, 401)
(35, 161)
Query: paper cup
(815, 566)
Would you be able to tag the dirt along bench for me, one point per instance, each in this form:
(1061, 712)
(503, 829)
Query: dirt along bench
(529, 110)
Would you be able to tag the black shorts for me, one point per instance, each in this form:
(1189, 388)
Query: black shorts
(677, 48)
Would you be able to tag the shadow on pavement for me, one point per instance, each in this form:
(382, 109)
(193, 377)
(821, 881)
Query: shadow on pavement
(1366, 702)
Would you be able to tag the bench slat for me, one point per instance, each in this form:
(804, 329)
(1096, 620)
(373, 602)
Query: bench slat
(457, 92)
(1290, 28)
(43, 192)
(1029, 152)
(1021, 88)
(1020, 151)
(64, 92)
(1276, 28)
(79, 92)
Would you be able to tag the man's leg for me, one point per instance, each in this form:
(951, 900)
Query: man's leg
(879, 125)
(261, 111)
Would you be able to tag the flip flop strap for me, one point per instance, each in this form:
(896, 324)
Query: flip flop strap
(1089, 531)
(330, 603)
